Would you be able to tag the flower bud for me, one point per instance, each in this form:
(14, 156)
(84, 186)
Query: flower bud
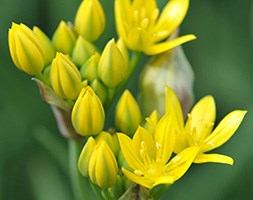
(103, 167)
(151, 122)
(84, 158)
(128, 114)
(46, 44)
(167, 69)
(64, 38)
(112, 67)
(123, 49)
(117, 190)
(88, 113)
(100, 89)
(110, 139)
(90, 20)
(65, 78)
(25, 49)
(89, 69)
(82, 51)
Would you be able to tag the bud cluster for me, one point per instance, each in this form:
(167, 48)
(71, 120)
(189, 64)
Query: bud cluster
(86, 86)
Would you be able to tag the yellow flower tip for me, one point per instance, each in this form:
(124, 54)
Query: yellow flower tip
(90, 14)
(110, 139)
(128, 114)
(89, 69)
(84, 158)
(46, 43)
(25, 49)
(103, 166)
(88, 113)
(82, 51)
(64, 33)
(112, 68)
(65, 78)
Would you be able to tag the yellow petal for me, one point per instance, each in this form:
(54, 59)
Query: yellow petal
(172, 16)
(173, 106)
(122, 9)
(165, 138)
(201, 119)
(165, 46)
(224, 131)
(163, 180)
(130, 153)
(141, 180)
(143, 139)
(216, 158)
(181, 162)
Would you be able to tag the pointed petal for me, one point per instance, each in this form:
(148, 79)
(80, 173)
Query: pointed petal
(165, 138)
(215, 158)
(130, 153)
(122, 8)
(144, 181)
(143, 137)
(181, 162)
(201, 119)
(173, 105)
(224, 131)
(165, 46)
(172, 16)
(164, 180)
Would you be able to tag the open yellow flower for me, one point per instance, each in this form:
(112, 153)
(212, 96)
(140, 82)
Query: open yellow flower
(148, 155)
(142, 28)
(198, 130)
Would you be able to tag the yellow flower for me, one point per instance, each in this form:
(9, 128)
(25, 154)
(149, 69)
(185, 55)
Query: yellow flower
(128, 114)
(65, 78)
(88, 113)
(103, 167)
(64, 38)
(90, 20)
(142, 28)
(198, 130)
(148, 156)
(112, 67)
(26, 50)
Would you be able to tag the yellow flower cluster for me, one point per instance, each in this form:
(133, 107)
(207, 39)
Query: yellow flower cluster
(74, 72)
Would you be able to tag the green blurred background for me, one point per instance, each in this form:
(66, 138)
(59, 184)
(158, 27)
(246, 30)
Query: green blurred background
(223, 64)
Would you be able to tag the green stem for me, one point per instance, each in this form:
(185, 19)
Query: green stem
(97, 191)
(80, 185)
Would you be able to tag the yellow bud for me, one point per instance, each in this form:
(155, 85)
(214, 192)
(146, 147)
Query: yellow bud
(25, 49)
(110, 139)
(65, 78)
(123, 49)
(89, 69)
(100, 89)
(90, 20)
(84, 158)
(128, 114)
(64, 38)
(112, 66)
(82, 51)
(46, 44)
(103, 167)
(88, 114)
(151, 122)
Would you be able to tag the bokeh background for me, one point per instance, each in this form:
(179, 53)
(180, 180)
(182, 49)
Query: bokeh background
(221, 58)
